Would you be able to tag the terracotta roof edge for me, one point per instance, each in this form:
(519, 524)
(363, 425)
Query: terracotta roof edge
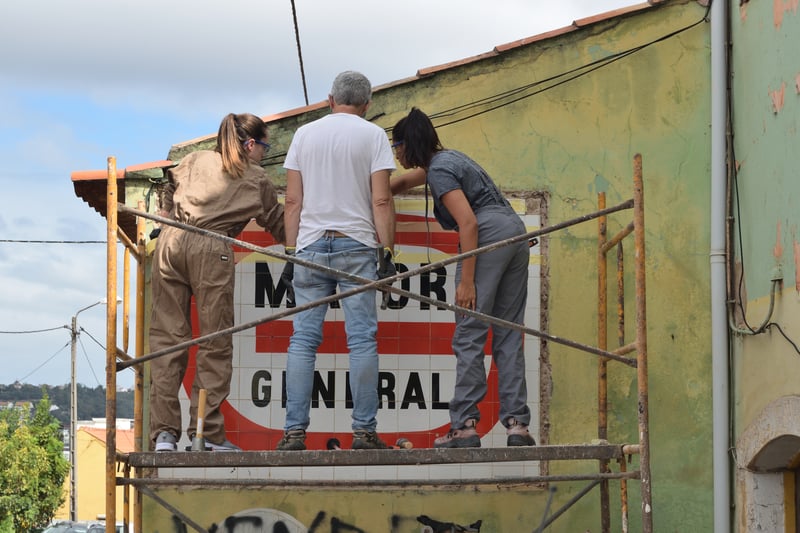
(587, 21)
(534, 38)
(421, 73)
(91, 175)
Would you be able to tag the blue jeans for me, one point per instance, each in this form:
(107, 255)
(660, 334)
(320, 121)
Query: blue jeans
(361, 326)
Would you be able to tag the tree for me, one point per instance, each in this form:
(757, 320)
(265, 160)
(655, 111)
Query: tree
(91, 401)
(32, 467)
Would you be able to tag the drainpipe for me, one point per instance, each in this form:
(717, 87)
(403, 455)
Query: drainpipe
(719, 323)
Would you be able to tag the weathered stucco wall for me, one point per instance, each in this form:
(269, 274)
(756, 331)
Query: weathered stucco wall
(568, 140)
(766, 111)
(766, 115)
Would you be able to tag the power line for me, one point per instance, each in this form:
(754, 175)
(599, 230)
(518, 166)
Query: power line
(29, 374)
(34, 330)
(15, 241)
(86, 355)
(299, 52)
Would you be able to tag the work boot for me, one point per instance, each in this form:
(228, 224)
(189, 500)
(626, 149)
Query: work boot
(518, 434)
(466, 437)
(294, 440)
(367, 440)
(166, 442)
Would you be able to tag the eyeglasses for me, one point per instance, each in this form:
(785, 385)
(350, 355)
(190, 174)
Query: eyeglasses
(265, 145)
(395, 145)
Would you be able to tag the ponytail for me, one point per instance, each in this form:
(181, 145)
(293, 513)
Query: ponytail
(234, 131)
(419, 138)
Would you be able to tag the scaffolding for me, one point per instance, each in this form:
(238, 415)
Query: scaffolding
(135, 466)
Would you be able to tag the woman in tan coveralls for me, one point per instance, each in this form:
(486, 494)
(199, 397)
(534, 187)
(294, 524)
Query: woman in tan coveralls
(219, 191)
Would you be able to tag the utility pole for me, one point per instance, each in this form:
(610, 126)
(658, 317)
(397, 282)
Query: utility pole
(73, 414)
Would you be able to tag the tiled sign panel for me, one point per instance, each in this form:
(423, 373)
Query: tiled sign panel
(417, 366)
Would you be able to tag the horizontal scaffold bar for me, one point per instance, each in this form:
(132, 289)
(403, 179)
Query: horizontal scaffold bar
(417, 456)
(497, 481)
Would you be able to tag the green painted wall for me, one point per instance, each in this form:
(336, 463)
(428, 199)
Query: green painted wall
(766, 115)
(766, 103)
(570, 139)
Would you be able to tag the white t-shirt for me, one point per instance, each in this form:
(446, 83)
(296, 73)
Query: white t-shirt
(336, 157)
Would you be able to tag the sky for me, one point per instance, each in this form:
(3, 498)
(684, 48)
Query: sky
(82, 81)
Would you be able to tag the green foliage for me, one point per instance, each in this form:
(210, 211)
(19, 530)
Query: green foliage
(7, 525)
(91, 401)
(32, 467)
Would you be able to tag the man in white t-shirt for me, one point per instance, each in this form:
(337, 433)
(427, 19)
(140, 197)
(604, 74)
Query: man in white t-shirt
(339, 210)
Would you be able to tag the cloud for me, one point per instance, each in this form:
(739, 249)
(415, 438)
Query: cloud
(82, 81)
(179, 56)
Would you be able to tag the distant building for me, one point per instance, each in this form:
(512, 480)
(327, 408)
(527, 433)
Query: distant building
(91, 458)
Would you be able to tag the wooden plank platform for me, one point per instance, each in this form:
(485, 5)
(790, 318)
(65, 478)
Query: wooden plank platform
(416, 456)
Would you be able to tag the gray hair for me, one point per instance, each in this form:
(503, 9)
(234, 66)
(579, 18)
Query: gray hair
(351, 88)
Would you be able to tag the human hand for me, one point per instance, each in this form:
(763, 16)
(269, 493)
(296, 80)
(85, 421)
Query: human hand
(287, 276)
(386, 267)
(465, 295)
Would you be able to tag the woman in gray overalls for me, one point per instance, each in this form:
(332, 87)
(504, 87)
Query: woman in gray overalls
(466, 200)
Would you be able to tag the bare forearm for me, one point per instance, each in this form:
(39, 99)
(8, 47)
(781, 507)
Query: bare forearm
(468, 240)
(383, 208)
(409, 180)
(384, 215)
(292, 207)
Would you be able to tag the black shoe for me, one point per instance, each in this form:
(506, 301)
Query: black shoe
(293, 440)
(518, 434)
(367, 440)
(466, 437)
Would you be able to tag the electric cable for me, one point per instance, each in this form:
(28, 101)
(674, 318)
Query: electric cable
(500, 99)
(34, 330)
(299, 51)
(21, 241)
(86, 355)
(739, 296)
(572, 74)
(26, 376)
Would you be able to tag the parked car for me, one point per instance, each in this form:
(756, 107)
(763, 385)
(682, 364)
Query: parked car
(88, 527)
(65, 526)
(61, 526)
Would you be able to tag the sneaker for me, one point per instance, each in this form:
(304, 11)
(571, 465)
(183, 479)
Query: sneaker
(294, 439)
(466, 437)
(367, 440)
(166, 442)
(518, 434)
(224, 446)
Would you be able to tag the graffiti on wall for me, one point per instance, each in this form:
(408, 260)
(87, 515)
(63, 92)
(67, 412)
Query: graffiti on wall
(274, 521)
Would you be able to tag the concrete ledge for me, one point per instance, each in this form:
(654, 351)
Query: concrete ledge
(420, 456)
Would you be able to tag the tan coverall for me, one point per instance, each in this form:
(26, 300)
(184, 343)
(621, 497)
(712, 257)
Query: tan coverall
(187, 264)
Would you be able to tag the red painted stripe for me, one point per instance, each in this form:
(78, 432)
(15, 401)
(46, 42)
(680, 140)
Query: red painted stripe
(437, 238)
(394, 338)
(446, 242)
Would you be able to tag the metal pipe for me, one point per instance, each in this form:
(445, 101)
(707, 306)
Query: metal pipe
(616, 239)
(188, 483)
(763, 327)
(720, 401)
(602, 362)
(111, 347)
(583, 492)
(138, 383)
(641, 341)
(368, 284)
(126, 283)
(623, 495)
